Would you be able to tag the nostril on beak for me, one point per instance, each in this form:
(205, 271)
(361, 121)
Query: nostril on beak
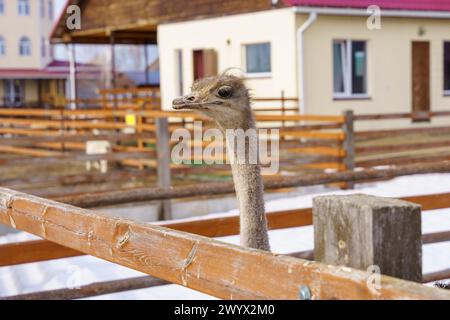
(177, 101)
(190, 98)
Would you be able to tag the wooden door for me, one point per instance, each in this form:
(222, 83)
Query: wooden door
(205, 63)
(421, 80)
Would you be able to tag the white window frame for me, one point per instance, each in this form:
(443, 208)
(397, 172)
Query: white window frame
(348, 69)
(2, 46)
(2, 7)
(24, 51)
(244, 60)
(23, 7)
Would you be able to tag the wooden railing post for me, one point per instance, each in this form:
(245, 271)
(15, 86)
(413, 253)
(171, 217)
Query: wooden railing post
(362, 231)
(163, 164)
(349, 144)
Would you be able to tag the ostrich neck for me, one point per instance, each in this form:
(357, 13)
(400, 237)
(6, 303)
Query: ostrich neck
(250, 195)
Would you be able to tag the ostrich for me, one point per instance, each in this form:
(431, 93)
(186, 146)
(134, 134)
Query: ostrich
(226, 100)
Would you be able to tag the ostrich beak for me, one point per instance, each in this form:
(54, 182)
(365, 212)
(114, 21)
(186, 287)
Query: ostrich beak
(186, 102)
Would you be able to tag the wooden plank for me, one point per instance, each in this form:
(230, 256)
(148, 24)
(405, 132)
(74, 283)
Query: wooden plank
(348, 144)
(30, 132)
(75, 157)
(92, 290)
(339, 136)
(222, 270)
(338, 152)
(437, 276)
(218, 188)
(116, 286)
(398, 160)
(374, 134)
(325, 118)
(29, 151)
(220, 227)
(33, 251)
(112, 137)
(366, 150)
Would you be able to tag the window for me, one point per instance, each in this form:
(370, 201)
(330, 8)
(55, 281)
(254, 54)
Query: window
(2, 47)
(2, 7)
(349, 68)
(25, 46)
(43, 47)
(24, 7)
(14, 92)
(42, 8)
(257, 58)
(50, 9)
(447, 67)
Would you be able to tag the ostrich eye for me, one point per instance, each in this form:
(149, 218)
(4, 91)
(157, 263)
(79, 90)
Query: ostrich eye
(225, 91)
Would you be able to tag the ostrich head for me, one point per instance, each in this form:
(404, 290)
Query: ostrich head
(223, 98)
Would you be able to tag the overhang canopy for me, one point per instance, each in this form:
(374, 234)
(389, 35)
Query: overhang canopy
(136, 21)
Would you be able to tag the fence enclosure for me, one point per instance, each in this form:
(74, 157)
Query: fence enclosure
(222, 270)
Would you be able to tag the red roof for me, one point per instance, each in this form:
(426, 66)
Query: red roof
(57, 69)
(422, 5)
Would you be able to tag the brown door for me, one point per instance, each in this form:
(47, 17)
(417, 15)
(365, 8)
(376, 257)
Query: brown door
(421, 80)
(205, 63)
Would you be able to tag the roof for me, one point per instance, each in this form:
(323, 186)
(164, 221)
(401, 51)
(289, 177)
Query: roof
(56, 69)
(415, 5)
(136, 22)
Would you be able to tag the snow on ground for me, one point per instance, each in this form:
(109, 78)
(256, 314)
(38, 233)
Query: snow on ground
(73, 272)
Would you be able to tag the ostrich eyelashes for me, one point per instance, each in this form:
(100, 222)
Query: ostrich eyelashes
(225, 92)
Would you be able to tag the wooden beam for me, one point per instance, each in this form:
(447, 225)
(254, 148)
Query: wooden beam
(116, 286)
(212, 227)
(219, 188)
(33, 251)
(92, 290)
(75, 157)
(206, 265)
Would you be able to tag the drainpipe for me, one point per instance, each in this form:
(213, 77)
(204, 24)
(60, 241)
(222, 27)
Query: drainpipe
(301, 60)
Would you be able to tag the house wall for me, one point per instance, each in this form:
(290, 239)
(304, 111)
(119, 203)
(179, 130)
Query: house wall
(227, 35)
(389, 65)
(13, 27)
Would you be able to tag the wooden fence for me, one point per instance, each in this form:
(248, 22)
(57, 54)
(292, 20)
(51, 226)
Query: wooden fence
(43, 137)
(181, 253)
(396, 146)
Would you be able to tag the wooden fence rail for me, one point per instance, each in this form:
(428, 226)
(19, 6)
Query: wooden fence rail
(215, 268)
(220, 188)
(395, 146)
(42, 250)
(315, 145)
